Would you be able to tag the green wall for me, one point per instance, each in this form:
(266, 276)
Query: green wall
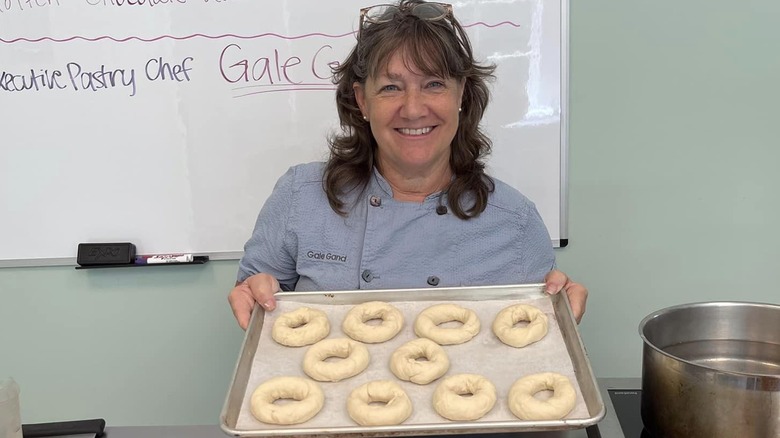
(136, 346)
(675, 144)
(673, 199)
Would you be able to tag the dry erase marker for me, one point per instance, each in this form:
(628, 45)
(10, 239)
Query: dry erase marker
(163, 258)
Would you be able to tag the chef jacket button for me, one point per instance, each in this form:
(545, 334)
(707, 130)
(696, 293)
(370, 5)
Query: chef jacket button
(433, 280)
(375, 201)
(441, 210)
(367, 276)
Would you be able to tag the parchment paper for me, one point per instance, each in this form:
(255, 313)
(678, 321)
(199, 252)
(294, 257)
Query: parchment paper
(484, 354)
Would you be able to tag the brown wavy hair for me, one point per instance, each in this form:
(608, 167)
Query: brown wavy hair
(438, 48)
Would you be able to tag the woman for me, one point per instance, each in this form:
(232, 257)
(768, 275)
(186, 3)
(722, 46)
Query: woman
(403, 201)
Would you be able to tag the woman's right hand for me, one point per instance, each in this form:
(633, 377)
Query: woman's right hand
(259, 288)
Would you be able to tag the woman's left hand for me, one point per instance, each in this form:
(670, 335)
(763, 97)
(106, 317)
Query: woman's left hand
(557, 281)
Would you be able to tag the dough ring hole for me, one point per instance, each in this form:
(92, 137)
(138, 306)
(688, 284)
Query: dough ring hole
(521, 324)
(374, 322)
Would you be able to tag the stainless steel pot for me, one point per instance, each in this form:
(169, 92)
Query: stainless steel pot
(712, 370)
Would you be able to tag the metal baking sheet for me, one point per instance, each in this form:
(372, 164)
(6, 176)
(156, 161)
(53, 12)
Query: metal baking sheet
(260, 359)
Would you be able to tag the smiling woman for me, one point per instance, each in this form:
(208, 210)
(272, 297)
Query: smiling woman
(413, 69)
(403, 199)
(413, 117)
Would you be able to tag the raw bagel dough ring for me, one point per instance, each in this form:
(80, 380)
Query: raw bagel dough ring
(308, 395)
(449, 403)
(525, 406)
(354, 324)
(427, 324)
(405, 366)
(354, 357)
(303, 326)
(504, 329)
(396, 409)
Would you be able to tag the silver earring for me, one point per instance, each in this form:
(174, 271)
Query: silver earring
(460, 109)
(365, 118)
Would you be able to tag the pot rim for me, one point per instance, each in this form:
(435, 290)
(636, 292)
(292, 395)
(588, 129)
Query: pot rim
(703, 304)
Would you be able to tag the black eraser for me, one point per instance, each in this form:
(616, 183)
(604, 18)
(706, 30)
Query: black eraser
(91, 254)
(95, 428)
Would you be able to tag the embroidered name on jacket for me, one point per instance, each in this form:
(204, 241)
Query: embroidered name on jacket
(326, 256)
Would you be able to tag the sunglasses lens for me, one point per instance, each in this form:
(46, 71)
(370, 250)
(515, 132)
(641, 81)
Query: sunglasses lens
(380, 13)
(429, 11)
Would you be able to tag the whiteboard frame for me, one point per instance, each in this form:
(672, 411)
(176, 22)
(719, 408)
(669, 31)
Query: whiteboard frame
(563, 241)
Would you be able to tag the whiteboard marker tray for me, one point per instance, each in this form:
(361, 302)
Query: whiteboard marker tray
(560, 351)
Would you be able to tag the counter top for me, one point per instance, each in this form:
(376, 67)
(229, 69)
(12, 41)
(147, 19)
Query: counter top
(609, 427)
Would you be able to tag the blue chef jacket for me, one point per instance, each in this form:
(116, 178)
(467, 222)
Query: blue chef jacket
(387, 244)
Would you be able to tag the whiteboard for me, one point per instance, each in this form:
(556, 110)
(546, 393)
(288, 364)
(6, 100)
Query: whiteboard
(166, 123)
